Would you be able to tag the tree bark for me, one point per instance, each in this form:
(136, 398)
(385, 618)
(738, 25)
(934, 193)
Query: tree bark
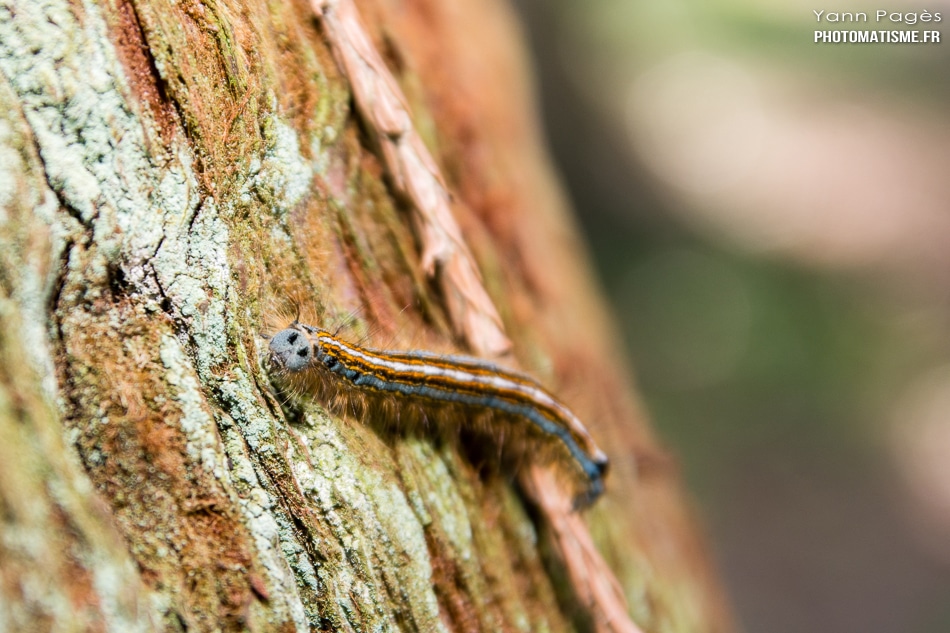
(175, 173)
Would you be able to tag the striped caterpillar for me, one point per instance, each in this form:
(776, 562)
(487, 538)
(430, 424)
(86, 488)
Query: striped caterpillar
(424, 386)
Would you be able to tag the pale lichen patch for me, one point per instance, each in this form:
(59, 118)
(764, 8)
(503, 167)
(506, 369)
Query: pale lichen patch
(191, 267)
(196, 421)
(374, 524)
(442, 499)
(283, 177)
(28, 245)
(271, 542)
(245, 409)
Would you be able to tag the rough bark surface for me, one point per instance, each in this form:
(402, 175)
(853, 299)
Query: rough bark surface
(172, 172)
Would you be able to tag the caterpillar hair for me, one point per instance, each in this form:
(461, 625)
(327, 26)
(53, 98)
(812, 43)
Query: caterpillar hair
(422, 387)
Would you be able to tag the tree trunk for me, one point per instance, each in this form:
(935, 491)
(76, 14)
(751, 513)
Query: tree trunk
(175, 173)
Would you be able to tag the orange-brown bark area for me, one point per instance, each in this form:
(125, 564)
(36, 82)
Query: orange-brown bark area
(185, 171)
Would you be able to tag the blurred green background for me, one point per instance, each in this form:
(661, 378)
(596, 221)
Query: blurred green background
(770, 219)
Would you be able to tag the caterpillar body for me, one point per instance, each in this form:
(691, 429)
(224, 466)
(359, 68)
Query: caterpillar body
(437, 388)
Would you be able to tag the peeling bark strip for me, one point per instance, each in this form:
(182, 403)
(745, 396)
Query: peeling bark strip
(591, 577)
(415, 175)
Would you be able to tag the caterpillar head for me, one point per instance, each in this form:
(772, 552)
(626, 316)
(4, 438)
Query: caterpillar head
(291, 349)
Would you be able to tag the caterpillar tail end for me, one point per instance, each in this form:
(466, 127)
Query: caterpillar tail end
(595, 486)
(587, 498)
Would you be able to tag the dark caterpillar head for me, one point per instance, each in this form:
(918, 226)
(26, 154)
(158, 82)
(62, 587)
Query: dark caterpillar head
(291, 350)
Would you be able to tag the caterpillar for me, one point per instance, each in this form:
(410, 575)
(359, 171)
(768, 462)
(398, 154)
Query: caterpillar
(407, 386)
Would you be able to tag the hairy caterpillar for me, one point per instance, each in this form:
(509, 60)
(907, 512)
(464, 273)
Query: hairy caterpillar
(408, 385)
